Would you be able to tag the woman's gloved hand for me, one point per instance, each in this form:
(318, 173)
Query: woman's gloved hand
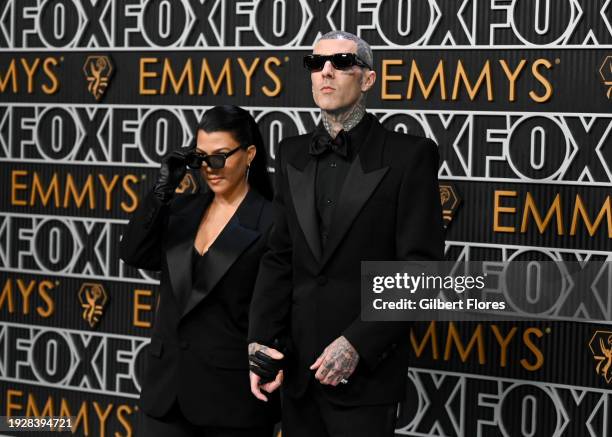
(171, 174)
(265, 366)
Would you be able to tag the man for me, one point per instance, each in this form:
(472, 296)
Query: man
(347, 192)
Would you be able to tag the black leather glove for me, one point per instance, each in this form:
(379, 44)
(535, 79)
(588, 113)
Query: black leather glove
(171, 174)
(265, 366)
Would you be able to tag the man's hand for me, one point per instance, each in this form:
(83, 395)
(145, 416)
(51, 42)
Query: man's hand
(269, 387)
(337, 362)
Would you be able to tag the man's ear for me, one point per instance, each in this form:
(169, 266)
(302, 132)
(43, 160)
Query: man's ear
(251, 152)
(367, 80)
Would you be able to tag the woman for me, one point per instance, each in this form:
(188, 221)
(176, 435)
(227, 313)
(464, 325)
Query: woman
(207, 246)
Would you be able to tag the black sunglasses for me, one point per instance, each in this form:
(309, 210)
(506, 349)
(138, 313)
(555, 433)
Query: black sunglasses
(340, 61)
(214, 160)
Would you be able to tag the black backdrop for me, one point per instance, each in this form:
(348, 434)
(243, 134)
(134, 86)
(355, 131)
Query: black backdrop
(515, 92)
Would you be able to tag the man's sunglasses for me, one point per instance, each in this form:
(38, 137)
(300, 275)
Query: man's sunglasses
(214, 160)
(340, 61)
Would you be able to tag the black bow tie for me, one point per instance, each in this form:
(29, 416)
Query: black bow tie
(324, 143)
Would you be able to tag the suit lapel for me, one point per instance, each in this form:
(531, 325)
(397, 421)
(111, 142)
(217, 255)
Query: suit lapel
(239, 233)
(181, 230)
(364, 175)
(302, 186)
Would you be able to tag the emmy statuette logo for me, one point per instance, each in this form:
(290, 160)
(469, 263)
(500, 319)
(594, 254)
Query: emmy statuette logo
(98, 71)
(188, 185)
(601, 348)
(450, 201)
(605, 72)
(93, 299)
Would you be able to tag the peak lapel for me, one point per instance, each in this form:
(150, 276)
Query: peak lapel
(239, 233)
(302, 186)
(182, 228)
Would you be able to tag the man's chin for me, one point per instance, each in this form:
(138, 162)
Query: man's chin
(332, 108)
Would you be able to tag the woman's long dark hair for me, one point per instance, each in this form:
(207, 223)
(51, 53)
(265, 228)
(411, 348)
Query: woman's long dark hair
(242, 126)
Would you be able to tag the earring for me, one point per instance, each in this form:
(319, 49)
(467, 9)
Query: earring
(247, 172)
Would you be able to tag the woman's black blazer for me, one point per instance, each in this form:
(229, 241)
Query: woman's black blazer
(199, 354)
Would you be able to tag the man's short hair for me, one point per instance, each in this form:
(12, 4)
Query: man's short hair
(364, 51)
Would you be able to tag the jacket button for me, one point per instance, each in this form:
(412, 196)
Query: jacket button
(184, 345)
(321, 279)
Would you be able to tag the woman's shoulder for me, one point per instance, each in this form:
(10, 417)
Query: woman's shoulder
(267, 213)
(264, 207)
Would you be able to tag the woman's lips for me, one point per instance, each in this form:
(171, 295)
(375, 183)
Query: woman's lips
(214, 180)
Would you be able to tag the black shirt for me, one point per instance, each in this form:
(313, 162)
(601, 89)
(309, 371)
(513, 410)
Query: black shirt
(332, 169)
(199, 265)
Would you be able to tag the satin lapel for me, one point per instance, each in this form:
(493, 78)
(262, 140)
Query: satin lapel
(225, 250)
(358, 187)
(302, 186)
(181, 234)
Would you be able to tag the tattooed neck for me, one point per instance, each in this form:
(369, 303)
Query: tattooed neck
(334, 122)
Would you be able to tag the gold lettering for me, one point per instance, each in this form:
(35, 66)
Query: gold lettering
(464, 352)
(186, 75)
(497, 210)
(430, 335)
(224, 75)
(386, 77)
(15, 186)
(108, 188)
(503, 342)
(43, 289)
(461, 76)
(248, 73)
(530, 207)
(13, 407)
(7, 295)
(547, 85)
(26, 292)
(103, 416)
(11, 74)
(130, 192)
(53, 188)
(126, 424)
(533, 348)
(32, 408)
(87, 191)
(579, 208)
(81, 416)
(54, 87)
(438, 75)
(141, 307)
(144, 74)
(272, 75)
(30, 71)
(512, 76)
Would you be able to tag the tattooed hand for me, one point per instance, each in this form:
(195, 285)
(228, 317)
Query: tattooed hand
(337, 362)
(254, 347)
(256, 386)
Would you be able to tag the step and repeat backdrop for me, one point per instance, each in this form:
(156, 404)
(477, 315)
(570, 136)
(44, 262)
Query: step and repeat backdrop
(516, 93)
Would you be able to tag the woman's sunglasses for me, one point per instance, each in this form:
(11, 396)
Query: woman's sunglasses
(214, 160)
(340, 61)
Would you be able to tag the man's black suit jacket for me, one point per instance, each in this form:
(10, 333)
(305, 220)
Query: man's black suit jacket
(389, 209)
(199, 353)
